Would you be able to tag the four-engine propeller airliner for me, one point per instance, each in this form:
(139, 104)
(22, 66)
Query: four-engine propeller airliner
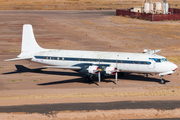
(94, 62)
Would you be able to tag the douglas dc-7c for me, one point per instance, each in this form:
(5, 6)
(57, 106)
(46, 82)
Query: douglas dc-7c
(94, 62)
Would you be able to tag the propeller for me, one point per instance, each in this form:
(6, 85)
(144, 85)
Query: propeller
(116, 72)
(99, 77)
(99, 74)
(116, 76)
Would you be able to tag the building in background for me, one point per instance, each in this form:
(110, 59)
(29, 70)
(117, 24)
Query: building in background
(153, 11)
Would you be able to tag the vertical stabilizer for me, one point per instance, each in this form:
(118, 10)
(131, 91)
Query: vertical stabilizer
(29, 44)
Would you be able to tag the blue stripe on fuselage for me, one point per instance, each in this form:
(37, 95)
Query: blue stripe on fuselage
(92, 60)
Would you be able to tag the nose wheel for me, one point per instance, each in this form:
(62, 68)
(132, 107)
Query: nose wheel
(162, 80)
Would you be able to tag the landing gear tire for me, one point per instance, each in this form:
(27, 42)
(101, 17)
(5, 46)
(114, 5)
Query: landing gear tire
(162, 81)
(87, 79)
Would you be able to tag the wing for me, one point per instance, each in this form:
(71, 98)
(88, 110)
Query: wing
(64, 67)
(82, 66)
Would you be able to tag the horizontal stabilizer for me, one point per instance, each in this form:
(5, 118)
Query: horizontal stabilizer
(18, 59)
(64, 67)
(166, 73)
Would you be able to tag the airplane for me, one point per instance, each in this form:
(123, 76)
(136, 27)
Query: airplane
(94, 62)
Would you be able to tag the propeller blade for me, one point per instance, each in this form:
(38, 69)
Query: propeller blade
(95, 71)
(99, 76)
(116, 76)
(113, 71)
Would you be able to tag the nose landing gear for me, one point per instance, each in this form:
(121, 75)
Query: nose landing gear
(162, 80)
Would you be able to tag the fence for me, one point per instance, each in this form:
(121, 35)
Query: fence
(175, 15)
(174, 11)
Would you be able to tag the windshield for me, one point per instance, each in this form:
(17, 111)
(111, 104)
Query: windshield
(158, 59)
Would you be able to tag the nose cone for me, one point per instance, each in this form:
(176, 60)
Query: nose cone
(174, 67)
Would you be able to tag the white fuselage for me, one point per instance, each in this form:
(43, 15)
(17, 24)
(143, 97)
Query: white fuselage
(128, 62)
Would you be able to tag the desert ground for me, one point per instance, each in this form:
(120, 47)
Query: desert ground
(94, 30)
(76, 4)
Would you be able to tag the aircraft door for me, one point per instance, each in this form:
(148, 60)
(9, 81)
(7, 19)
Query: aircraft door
(152, 65)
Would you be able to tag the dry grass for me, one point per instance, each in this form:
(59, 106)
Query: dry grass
(72, 4)
(141, 34)
(174, 92)
(1, 67)
(14, 50)
(15, 80)
(169, 31)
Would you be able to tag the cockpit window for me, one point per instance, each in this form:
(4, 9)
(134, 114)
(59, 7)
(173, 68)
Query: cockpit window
(163, 59)
(158, 59)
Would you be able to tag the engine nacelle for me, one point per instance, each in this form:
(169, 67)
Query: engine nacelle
(93, 69)
(111, 70)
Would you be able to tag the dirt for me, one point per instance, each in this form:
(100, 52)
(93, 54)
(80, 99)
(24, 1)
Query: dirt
(94, 115)
(85, 30)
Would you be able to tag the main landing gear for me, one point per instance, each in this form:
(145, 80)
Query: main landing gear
(162, 80)
(88, 79)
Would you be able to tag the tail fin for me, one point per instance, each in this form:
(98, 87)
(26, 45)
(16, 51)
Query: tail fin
(29, 44)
